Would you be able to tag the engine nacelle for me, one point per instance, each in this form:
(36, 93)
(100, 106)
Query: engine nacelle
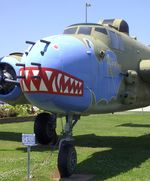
(10, 92)
(144, 70)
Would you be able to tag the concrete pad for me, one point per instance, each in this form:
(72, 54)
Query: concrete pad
(74, 177)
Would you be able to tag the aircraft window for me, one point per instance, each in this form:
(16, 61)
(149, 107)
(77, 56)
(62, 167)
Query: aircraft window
(85, 30)
(121, 45)
(114, 40)
(101, 30)
(70, 30)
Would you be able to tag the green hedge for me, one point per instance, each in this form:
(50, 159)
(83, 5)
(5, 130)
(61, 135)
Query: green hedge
(18, 110)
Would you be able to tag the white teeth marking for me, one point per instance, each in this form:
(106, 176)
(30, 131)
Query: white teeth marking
(32, 87)
(49, 74)
(26, 73)
(42, 86)
(35, 72)
(24, 86)
(76, 82)
(21, 73)
(80, 92)
(66, 78)
(66, 90)
(54, 86)
(58, 80)
(72, 91)
(71, 80)
(80, 83)
(76, 91)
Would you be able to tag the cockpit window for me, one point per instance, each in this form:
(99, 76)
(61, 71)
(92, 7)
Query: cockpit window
(70, 30)
(85, 30)
(101, 30)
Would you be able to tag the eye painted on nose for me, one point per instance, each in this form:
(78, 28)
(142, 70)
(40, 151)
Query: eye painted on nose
(50, 81)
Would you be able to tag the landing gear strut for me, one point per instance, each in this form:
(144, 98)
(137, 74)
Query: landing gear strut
(44, 129)
(67, 157)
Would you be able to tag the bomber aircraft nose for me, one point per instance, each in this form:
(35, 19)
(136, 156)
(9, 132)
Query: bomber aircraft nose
(53, 76)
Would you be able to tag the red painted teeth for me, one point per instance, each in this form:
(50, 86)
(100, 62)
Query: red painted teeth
(51, 81)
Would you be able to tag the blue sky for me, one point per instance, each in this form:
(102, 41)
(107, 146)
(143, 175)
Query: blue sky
(34, 19)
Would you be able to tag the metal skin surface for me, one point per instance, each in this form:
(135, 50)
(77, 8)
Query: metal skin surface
(15, 96)
(86, 73)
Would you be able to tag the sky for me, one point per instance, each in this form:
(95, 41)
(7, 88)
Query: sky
(23, 20)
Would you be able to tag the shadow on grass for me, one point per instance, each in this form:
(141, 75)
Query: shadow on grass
(122, 155)
(10, 136)
(135, 125)
(17, 137)
(11, 120)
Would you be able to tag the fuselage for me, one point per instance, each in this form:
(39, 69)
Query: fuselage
(91, 68)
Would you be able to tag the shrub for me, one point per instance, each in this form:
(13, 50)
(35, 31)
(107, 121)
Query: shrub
(18, 110)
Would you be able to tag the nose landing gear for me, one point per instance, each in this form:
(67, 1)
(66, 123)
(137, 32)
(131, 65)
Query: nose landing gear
(67, 156)
(44, 129)
(67, 159)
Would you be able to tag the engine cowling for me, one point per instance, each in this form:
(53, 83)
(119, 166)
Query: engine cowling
(10, 92)
(144, 70)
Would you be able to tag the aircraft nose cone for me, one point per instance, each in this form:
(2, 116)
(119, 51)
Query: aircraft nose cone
(51, 78)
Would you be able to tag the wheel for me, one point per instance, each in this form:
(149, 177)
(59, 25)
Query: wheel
(44, 128)
(67, 160)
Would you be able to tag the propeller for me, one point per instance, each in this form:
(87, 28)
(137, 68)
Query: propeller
(7, 78)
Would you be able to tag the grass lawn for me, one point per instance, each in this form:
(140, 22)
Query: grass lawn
(114, 147)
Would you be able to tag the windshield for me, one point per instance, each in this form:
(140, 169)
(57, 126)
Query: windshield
(70, 30)
(85, 30)
(101, 30)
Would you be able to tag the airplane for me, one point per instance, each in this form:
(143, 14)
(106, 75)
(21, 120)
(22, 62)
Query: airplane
(89, 69)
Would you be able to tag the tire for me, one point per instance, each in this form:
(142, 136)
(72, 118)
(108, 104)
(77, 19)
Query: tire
(67, 160)
(44, 128)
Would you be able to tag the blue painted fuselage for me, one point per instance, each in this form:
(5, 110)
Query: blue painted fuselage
(71, 77)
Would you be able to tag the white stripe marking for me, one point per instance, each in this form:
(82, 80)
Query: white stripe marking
(26, 73)
(66, 90)
(76, 83)
(66, 78)
(80, 93)
(43, 86)
(49, 74)
(72, 80)
(35, 72)
(80, 84)
(24, 86)
(76, 91)
(21, 72)
(58, 80)
(32, 87)
(72, 91)
(54, 86)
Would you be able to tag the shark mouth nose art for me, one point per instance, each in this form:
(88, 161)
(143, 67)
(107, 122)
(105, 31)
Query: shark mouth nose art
(51, 81)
